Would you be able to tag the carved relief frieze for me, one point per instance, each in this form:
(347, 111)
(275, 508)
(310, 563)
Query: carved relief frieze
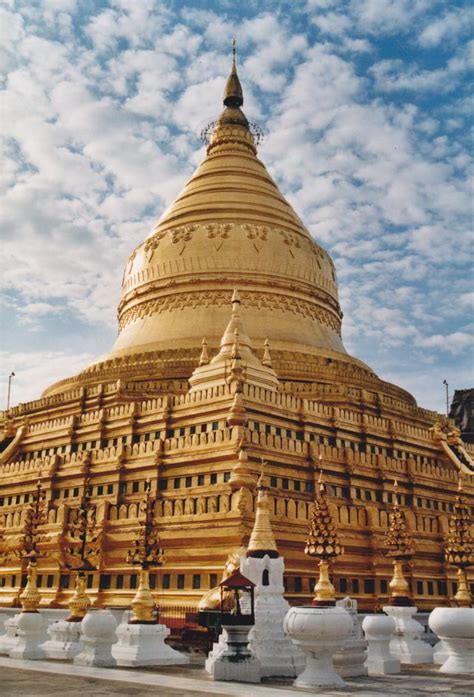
(218, 233)
(258, 234)
(181, 235)
(152, 244)
(318, 254)
(270, 301)
(291, 240)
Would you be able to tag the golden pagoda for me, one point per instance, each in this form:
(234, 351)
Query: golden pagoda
(229, 351)
(262, 540)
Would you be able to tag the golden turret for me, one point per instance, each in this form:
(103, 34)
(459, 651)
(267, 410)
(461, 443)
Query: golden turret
(204, 358)
(262, 540)
(400, 546)
(323, 542)
(233, 94)
(459, 549)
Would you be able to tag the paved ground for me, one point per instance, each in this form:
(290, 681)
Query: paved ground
(49, 679)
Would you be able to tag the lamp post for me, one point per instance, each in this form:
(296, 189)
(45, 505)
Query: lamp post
(445, 382)
(12, 375)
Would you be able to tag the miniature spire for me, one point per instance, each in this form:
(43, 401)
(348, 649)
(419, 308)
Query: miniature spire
(241, 475)
(400, 546)
(262, 540)
(235, 354)
(459, 549)
(204, 358)
(267, 359)
(237, 415)
(323, 542)
(233, 95)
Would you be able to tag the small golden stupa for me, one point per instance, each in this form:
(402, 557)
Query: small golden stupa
(400, 547)
(323, 542)
(262, 540)
(459, 549)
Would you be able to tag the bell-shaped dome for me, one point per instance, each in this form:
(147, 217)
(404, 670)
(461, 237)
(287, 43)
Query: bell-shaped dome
(229, 228)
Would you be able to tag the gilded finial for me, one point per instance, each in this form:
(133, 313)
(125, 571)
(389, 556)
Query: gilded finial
(235, 355)
(267, 359)
(233, 95)
(262, 540)
(261, 479)
(204, 358)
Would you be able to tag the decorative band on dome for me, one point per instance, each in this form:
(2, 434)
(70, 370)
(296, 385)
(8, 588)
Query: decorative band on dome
(257, 132)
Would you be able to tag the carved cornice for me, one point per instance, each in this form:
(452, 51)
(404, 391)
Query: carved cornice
(207, 298)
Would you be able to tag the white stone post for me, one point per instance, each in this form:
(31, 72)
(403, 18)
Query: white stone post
(64, 642)
(97, 635)
(350, 661)
(144, 645)
(379, 631)
(407, 644)
(10, 638)
(455, 628)
(30, 633)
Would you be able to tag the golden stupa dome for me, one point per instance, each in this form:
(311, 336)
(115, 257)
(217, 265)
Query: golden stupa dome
(229, 228)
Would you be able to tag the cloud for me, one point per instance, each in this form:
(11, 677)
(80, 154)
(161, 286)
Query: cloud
(446, 28)
(35, 371)
(394, 75)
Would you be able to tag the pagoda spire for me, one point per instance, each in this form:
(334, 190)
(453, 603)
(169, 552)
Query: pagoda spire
(262, 540)
(233, 94)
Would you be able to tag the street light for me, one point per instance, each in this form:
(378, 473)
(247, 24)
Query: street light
(12, 375)
(445, 382)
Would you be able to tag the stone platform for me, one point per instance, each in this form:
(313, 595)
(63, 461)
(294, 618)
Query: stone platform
(48, 679)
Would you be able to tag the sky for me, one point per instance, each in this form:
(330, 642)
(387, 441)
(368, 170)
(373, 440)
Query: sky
(365, 105)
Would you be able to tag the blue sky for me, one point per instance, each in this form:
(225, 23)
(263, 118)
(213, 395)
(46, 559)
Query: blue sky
(365, 105)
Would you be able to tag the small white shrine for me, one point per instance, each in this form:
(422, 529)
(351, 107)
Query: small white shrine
(276, 652)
